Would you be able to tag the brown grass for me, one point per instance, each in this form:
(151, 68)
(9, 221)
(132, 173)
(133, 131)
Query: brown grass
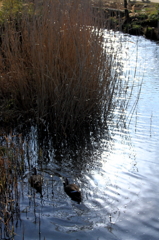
(53, 67)
(119, 4)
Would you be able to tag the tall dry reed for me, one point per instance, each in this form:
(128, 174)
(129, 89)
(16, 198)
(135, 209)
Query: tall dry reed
(53, 66)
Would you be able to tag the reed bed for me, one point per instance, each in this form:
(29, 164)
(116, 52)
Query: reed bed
(53, 67)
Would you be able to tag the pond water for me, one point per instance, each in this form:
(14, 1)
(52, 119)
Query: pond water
(118, 173)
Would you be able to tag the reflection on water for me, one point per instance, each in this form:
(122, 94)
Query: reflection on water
(118, 174)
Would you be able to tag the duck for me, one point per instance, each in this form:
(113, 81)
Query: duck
(36, 181)
(72, 190)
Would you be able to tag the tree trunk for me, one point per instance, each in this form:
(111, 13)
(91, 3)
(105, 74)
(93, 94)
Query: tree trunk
(126, 10)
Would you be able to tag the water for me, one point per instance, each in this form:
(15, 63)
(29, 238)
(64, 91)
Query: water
(118, 174)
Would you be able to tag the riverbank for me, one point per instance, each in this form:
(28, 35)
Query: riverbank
(142, 19)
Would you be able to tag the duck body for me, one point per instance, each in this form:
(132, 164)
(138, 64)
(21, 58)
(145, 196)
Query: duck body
(36, 181)
(73, 191)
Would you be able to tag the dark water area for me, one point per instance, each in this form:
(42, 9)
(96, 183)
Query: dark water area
(118, 172)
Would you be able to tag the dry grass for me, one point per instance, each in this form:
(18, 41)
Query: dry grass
(53, 66)
(118, 4)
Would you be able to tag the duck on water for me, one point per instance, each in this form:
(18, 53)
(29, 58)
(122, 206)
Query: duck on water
(73, 191)
(36, 181)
